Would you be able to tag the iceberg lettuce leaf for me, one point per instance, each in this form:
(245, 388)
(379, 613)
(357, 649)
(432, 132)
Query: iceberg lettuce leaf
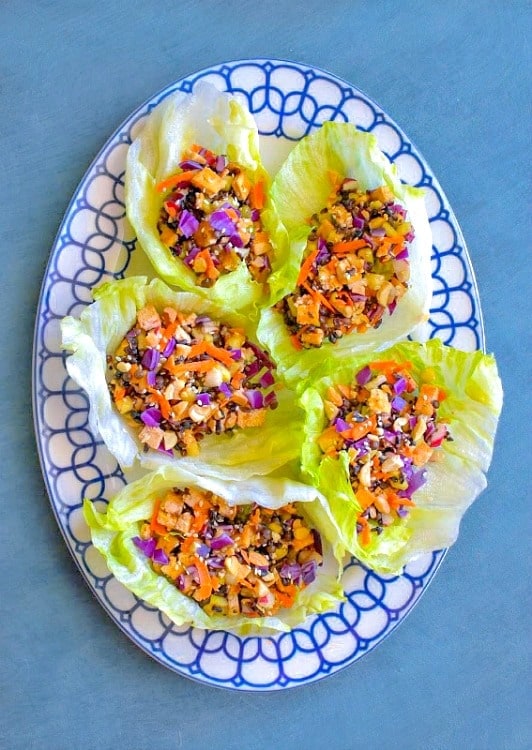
(216, 121)
(471, 410)
(99, 330)
(112, 532)
(300, 189)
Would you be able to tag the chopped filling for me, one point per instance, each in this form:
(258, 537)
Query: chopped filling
(210, 218)
(177, 377)
(387, 424)
(355, 266)
(233, 560)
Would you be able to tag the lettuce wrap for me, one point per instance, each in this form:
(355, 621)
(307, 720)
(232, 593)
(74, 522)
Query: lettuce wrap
(99, 330)
(215, 121)
(470, 410)
(113, 530)
(299, 190)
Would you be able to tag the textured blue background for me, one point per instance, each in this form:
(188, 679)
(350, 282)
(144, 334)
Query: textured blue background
(453, 75)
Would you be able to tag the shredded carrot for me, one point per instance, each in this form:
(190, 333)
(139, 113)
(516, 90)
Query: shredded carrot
(119, 393)
(237, 379)
(317, 295)
(347, 247)
(306, 267)
(204, 366)
(162, 403)
(296, 342)
(205, 589)
(365, 534)
(257, 195)
(284, 599)
(169, 330)
(395, 501)
(174, 180)
(216, 352)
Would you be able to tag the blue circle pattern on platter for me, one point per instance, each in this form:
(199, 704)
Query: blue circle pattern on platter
(288, 100)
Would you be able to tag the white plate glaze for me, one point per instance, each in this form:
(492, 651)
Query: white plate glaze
(288, 100)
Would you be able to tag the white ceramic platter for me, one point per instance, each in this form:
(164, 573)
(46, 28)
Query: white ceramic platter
(94, 243)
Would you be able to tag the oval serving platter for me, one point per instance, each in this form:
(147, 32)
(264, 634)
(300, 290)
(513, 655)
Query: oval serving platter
(94, 243)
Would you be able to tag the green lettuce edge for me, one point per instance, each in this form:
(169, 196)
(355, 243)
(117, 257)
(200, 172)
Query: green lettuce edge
(215, 120)
(301, 188)
(98, 331)
(112, 532)
(472, 409)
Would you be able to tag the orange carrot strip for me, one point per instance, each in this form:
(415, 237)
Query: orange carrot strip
(347, 247)
(395, 501)
(389, 367)
(317, 295)
(296, 342)
(285, 600)
(162, 403)
(204, 366)
(365, 533)
(222, 355)
(174, 180)
(205, 589)
(237, 379)
(119, 393)
(306, 267)
(257, 196)
(202, 515)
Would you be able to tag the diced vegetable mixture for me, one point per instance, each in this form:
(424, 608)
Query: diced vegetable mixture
(355, 266)
(387, 422)
(233, 560)
(211, 217)
(177, 377)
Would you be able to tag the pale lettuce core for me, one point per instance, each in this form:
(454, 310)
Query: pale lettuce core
(112, 532)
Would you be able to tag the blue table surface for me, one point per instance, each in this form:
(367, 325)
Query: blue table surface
(454, 76)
